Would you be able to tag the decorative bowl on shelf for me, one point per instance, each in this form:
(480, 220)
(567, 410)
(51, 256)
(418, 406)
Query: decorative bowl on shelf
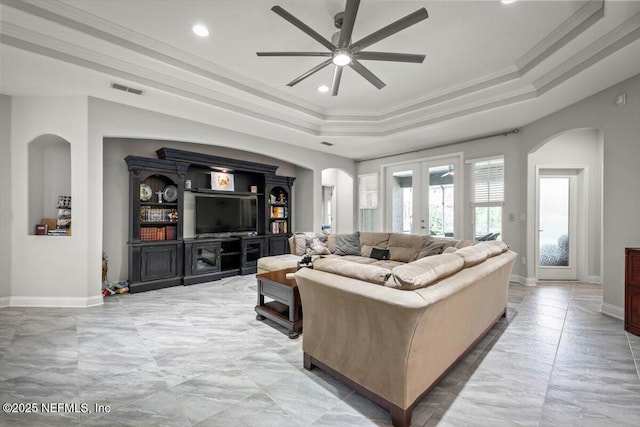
(170, 193)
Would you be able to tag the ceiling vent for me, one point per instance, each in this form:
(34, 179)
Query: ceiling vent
(328, 144)
(127, 89)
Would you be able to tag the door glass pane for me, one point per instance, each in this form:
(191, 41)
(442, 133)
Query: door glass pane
(441, 198)
(402, 202)
(206, 258)
(554, 222)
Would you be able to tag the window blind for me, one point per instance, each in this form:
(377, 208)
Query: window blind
(368, 191)
(487, 182)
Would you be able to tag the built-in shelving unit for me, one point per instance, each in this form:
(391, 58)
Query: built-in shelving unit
(159, 256)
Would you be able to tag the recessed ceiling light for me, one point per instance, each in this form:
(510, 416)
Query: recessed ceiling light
(323, 89)
(200, 30)
(508, 1)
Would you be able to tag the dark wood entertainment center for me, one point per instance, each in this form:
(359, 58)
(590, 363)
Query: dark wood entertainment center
(159, 255)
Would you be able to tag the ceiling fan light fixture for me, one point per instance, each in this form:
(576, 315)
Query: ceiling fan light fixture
(200, 30)
(507, 1)
(341, 57)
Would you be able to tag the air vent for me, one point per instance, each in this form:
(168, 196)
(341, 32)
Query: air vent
(328, 144)
(127, 89)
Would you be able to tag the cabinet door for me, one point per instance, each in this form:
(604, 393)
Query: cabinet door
(206, 258)
(252, 250)
(158, 262)
(278, 245)
(632, 292)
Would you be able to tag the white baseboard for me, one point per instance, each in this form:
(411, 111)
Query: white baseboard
(4, 301)
(612, 310)
(596, 280)
(74, 302)
(530, 281)
(518, 279)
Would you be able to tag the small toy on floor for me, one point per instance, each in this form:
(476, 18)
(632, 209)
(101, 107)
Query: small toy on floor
(112, 288)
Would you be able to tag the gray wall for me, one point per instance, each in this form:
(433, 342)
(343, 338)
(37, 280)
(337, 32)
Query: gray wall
(5, 199)
(620, 129)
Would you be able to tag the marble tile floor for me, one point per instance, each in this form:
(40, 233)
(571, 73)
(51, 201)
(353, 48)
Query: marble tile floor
(196, 356)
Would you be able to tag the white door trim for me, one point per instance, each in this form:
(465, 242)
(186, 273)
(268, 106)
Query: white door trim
(582, 223)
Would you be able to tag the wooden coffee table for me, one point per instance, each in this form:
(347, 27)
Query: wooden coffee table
(285, 309)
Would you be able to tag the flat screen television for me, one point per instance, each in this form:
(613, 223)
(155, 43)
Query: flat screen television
(226, 214)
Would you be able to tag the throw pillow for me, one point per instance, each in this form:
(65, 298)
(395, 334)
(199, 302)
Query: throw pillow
(348, 244)
(317, 246)
(378, 253)
(431, 248)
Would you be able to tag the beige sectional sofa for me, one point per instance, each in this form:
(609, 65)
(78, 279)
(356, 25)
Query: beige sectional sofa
(392, 328)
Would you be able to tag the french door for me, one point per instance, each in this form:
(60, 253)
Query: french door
(557, 225)
(423, 197)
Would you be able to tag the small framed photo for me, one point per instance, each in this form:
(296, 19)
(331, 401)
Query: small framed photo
(222, 181)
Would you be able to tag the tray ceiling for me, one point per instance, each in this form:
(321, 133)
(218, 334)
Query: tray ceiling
(489, 67)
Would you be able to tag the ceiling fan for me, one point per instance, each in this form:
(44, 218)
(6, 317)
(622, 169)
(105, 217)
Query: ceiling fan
(342, 52)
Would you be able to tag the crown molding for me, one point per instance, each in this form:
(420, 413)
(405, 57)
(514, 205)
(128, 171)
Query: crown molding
(430, 110)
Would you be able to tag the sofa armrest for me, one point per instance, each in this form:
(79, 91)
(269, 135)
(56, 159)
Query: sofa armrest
(362, 330)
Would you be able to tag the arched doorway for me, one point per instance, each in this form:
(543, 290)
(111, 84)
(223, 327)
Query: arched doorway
(337, 201)
(565, 208)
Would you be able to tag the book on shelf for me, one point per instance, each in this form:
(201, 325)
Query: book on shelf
(148, 234)
(279, 227)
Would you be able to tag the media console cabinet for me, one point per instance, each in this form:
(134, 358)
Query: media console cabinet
(160, 256)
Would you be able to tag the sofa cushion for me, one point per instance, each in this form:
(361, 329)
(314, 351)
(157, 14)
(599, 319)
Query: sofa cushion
(347, 244)
(365, 272)
(298, 242)
(473, 255)
(277, 262)
(430, 248)
(425, 271)
(464, 243)
(491, 248)
(355, 259)
(370, 239)
(404, 246)
(386, 263)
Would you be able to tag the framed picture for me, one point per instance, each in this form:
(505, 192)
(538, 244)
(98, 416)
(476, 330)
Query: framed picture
(222, 181)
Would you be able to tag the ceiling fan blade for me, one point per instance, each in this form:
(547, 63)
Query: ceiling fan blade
(310, 72)
(349, 19)
(399, 25)
(364, 72)
(304, 27)
(386, 56)
(293, 53)
(337, 76)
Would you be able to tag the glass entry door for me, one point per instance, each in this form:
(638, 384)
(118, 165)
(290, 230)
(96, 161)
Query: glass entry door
(403, 203)
(557, 210)
(440, 201)
(421, 198)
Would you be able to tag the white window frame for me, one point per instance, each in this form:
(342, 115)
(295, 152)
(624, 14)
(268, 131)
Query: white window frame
(368, 197)
(494, 197)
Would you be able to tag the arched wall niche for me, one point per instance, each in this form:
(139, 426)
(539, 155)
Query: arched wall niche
(49, 176)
